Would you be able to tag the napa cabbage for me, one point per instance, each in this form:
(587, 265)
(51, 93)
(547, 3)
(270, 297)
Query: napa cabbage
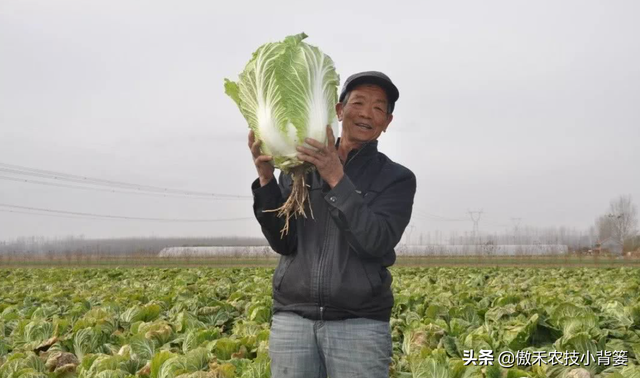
(287, 92)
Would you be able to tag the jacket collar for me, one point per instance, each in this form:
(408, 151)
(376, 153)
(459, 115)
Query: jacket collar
(368, 149)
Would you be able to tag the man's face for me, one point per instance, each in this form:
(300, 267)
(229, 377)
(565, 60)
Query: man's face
(364, 115)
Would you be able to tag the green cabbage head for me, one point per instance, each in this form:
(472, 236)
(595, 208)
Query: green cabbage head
(287, 92)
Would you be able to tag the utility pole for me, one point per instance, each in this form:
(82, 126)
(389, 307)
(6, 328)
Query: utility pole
(475, 217)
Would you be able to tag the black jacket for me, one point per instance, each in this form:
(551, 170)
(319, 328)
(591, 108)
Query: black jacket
(335, 265)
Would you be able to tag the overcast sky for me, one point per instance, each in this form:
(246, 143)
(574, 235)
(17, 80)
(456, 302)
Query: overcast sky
(525, 109)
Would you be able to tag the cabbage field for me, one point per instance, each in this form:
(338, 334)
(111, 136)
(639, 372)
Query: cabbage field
(213, 322)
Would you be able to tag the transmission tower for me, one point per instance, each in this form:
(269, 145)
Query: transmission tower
(475, 217)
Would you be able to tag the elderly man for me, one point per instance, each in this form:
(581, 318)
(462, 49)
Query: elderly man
(332, 295)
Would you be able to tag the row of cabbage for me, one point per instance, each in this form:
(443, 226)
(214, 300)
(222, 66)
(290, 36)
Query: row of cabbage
(207, 323)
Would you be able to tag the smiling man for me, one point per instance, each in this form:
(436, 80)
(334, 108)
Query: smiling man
(332, 296)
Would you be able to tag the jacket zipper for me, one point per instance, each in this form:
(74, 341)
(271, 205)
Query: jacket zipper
(323, 252)
(321, 263)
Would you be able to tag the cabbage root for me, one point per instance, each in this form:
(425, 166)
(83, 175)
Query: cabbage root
(295, 204)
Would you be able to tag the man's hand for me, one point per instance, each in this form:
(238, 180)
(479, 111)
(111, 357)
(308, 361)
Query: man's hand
(325, 158)
(263, 162)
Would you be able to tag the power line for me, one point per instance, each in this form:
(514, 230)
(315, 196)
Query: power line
(485, 220)
(438, 217)
(53, 175)
(38, 182)
(123, 217)
(49, 215)
(429, 219)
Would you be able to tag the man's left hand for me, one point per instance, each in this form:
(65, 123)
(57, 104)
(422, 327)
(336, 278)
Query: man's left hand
(325, 158)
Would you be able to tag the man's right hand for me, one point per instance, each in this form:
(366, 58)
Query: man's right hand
(263, 162)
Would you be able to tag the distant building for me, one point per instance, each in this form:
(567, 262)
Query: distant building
(218, 251)
(401, 250)
(482, 250)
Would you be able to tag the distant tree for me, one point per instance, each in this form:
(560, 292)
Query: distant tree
(604, 227)
(624, 215)
(620, 222)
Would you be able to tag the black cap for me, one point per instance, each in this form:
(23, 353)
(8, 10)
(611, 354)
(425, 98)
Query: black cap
(372, 77)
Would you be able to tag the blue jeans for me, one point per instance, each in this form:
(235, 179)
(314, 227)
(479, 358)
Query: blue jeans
(352, 348)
